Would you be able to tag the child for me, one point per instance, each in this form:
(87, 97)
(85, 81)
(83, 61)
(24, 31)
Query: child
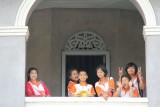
(73, 79)
(105, 86)
(34, 87)
(136, 75)
(125, 88)
(83, 89)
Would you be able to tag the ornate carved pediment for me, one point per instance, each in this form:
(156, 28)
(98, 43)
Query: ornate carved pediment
(85, 41)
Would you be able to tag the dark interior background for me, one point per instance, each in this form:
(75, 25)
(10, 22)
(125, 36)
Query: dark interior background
(88, 63)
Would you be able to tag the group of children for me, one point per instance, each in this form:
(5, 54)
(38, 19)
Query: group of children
(130, 84)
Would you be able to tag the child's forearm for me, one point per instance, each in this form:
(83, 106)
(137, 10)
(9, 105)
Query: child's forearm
(74, 95)
(91, 95)
(117, 93)
(131, 94)
(141, 83)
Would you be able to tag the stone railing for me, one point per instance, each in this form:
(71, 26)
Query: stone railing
(84, 101)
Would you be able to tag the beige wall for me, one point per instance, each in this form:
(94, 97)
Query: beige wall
(50, 29)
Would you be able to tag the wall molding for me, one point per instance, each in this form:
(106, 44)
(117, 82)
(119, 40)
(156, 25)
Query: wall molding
(151, 31)
(14, 31)
(25, 10)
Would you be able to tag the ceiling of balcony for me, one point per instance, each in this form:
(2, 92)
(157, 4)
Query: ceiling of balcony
(121, 4)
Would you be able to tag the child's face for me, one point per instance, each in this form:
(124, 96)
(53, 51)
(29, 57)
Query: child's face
(74, 75)
(33, 75)
(100, 73)
(82, 76)
(125, 82)
(131, 70)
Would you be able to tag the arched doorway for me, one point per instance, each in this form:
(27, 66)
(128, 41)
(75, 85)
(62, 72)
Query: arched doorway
(121, 33)
(27, 7)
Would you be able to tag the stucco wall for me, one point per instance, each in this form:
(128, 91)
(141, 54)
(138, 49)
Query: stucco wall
(39, 46)
(50, 29)
(8, 11)
(12, 67)
(156, 7)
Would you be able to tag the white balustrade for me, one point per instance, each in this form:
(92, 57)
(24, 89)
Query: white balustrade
(84, 101)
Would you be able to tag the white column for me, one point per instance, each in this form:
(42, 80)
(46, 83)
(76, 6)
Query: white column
(12, 66)
(152, 45)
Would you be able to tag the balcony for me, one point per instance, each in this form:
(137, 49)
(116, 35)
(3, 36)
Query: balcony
(84, 101)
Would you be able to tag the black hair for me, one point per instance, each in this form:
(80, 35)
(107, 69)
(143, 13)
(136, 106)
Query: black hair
(103, 68)
(82, 70)
(131, 64)
(127, 76)
(29, 71)
(70, 72)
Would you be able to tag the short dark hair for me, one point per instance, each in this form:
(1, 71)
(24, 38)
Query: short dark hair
(131, 64)
(127, 76)
(82, 70)
(103, 68)
(29, 71)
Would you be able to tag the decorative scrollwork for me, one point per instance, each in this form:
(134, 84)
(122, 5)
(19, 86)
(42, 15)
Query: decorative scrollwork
(85, 41)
